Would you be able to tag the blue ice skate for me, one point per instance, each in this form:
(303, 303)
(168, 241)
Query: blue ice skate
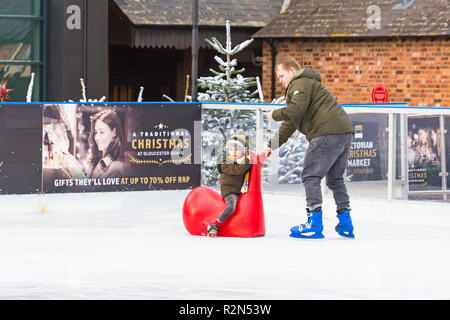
(312, 229)
(344, 227)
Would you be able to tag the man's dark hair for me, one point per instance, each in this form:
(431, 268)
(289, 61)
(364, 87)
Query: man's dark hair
(288, 63)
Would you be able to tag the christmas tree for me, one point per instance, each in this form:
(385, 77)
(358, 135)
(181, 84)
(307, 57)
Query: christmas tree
(228, 84)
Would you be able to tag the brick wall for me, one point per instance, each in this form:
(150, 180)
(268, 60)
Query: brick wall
(416, 71)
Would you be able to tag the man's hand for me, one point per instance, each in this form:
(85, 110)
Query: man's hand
(267, 151)
(268, 115)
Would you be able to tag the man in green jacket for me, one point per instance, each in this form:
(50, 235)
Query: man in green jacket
(314, 111)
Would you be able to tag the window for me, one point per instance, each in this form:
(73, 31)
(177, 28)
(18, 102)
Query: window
(22, 30)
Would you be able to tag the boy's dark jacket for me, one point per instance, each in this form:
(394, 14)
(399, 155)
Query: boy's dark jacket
(232, 175)
(311, 109)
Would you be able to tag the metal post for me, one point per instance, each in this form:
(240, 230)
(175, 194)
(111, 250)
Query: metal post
(44, 50)
(259, 130)
(443, 157)
(274, 160)
(85, 44)
(404, 154)
(273, 75)
(391, 156)
(194, 50)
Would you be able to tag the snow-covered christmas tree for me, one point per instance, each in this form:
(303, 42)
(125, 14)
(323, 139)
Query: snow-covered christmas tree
(228, 84)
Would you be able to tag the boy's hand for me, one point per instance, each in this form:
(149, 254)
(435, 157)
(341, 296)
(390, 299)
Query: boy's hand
(268, 114)
(267, 151)
(241, 160)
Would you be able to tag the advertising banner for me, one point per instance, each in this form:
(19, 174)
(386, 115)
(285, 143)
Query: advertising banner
(424, 153)
(20, 148)
(363, 162)
(123, 147)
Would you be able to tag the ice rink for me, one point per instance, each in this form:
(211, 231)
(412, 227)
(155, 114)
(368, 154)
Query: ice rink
(117, 246)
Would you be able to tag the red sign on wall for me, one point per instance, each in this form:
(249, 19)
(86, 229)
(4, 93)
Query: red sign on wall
(380, 93)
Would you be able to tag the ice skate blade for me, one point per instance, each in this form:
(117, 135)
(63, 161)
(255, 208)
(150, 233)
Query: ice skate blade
(349, 235)
(306, 234)
(205, 234)
(317, 235)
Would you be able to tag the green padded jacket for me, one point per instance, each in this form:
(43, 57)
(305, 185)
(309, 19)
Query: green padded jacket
(311, 109)
(232, 175)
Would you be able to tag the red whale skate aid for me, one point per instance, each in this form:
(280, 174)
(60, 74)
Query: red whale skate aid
(203, 205)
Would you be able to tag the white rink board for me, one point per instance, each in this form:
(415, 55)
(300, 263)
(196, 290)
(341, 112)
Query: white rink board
(420, 213)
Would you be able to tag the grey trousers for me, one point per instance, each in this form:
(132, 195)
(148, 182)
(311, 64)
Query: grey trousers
(326, 156)
(231, 200)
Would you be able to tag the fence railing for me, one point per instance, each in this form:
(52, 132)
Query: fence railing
(398, 151)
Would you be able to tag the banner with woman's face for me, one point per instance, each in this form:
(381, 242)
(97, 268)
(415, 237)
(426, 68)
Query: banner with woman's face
(88, 148)
(424, 153)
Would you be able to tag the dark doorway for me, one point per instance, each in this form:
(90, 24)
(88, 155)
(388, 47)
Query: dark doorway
(153, 69)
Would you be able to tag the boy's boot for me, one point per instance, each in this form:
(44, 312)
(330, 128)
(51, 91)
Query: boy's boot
(212, 230)
(312, 228)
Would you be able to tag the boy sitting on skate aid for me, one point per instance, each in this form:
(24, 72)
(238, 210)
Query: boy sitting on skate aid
(241, 214)
(234, 167)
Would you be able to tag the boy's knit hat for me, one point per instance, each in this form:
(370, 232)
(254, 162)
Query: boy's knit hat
(237, 141)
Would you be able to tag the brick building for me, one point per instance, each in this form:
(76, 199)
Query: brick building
(117, 46)
(354, 45)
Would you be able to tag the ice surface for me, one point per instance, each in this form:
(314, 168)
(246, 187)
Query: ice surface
(111, 246)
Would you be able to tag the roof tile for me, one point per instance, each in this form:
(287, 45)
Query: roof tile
(242, 13)
(358, 18)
